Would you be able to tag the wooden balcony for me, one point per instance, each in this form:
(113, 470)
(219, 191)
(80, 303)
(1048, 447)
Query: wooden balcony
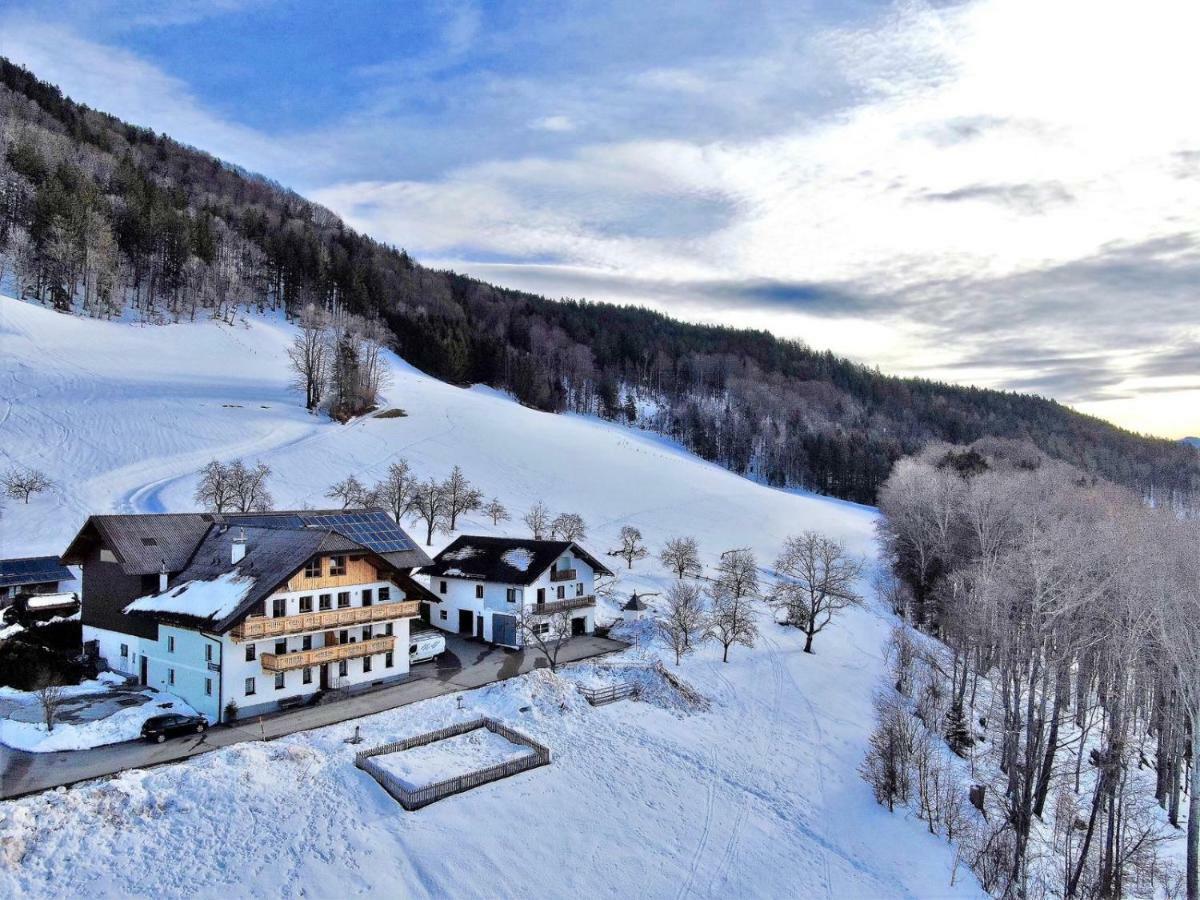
(554, 606)
(302, 659)
(564, 575)
(257, 627)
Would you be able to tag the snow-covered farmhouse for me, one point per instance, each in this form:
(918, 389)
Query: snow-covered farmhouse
(261, 609)
(33, 575)
(484, 586)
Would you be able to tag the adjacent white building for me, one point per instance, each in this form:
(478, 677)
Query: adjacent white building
(482, 587)
(262, 611)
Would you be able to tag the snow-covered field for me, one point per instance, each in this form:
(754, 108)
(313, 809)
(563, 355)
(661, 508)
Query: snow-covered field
(430, 763)
(759, 796)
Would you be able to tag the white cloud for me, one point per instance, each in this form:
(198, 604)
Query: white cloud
(553, 123)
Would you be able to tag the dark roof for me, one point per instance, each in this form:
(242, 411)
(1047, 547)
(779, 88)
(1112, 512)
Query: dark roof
(143, 543)
(32, 570)
(484, 558)
(635, 603)
(371, 527)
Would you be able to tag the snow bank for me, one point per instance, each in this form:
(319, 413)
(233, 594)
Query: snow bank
(122, 725)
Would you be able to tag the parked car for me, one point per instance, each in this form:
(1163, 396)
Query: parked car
(30, 608)
(425, 646)
(159, 728)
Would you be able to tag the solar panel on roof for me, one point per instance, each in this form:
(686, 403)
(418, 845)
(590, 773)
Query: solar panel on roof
(373, 529)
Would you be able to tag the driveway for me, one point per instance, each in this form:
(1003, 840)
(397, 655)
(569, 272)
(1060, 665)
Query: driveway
(464, 666)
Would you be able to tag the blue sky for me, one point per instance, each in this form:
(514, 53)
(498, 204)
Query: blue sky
(999, 192)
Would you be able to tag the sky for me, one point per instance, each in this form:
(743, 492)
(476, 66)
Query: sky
(994, 192)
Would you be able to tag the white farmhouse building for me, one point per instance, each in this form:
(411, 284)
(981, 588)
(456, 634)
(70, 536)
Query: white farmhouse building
(480, 585)
(263, 610)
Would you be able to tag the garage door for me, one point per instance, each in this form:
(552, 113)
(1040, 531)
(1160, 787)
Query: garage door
(504, 630)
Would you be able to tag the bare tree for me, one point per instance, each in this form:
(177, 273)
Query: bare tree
(733, 619)
(215, 490)
(547, 633)
(21, 483)
(349, 491)
(568, 527)
(682, 556)
(496, 511)
(684, 619)
(817, 580)
(737, 573)
(397, 490)
(460, 496)
(429, 506)
(249, 486)
(50, 697)
(309, 355)
(631, 547)
(537, 520)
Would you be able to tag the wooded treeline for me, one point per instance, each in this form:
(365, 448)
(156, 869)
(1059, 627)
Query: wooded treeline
(1070, 610)
(99, 216)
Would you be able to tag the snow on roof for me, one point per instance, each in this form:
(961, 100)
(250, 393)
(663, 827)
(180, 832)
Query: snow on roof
(46, 601)
(212, 599)
(460, 554)
(519, 559)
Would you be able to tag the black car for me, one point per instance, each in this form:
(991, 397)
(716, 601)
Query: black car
(159, 728)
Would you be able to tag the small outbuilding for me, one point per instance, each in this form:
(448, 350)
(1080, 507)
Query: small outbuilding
(33, 575)
(635, 609)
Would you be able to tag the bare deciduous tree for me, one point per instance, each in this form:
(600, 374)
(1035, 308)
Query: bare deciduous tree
(547, 633)
(215, 491)
(631, 547)
(737, 573)
(309, 355)
(733, 619)
(460, 496)
(250, 491)
(537, 520)
(397, 490)
(50, 697)
(817, 579)
(684, 618)
(349, 491)
(429, 506)
(496, 511)
(682, 556)
(21, 483)
(568, 527)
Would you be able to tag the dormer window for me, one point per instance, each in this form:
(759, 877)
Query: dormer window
(312, 568)
(337, 565)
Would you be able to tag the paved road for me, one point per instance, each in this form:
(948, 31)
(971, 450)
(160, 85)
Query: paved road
(466, 665)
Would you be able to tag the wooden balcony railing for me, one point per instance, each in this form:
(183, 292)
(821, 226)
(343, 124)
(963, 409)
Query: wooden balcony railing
(553, 606)
(258, 627)
(301, 659)
(564, 574)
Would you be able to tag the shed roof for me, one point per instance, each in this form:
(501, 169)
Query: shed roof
(504, 560)
(32, 570)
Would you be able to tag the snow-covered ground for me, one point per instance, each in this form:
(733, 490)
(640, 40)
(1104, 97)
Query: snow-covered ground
(758, 796)
(428, 764)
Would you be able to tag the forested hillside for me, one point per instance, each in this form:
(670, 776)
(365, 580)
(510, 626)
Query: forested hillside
(98, 216)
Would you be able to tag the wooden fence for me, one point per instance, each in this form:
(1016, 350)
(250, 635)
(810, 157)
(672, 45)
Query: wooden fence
(415, 798)
(611, 694)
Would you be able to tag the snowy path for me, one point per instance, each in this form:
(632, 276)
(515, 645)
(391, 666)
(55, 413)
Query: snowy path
(759, 797)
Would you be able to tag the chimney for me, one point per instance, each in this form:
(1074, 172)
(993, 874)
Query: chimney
(162, 577)
(238, 546)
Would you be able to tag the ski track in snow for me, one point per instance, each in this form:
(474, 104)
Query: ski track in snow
(757, 798)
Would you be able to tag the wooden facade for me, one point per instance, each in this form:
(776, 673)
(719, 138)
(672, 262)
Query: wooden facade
(301, 659)
(358, 571)
(257, 627)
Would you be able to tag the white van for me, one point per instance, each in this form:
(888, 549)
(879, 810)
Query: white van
(425, 646)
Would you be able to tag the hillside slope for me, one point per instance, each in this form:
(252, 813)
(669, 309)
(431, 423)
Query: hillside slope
(759, 796)
(102, 214)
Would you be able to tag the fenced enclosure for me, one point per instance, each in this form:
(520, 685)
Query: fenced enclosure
(611, 694)
(415, 798)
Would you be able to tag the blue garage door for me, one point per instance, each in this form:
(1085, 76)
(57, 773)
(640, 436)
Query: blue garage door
(504, 630)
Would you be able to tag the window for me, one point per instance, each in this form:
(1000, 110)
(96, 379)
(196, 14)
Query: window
(170, 643)
(342, 669)
(442, 614)
(541, 628)
(337, 565)
(208, 652)
(579, 589)
(306, 604)
(306, 642)
(479, 592)
(170, 676)
(312, 568)
(279, 607)
(511, 595)
(280, 680)
(207, 687)
(344, 636)
(149, 542)
(387, 629)
(441, 587)
(281, 647)
(366, 597)
(249, 653)
(325, 601)
(124, 651)
(307, 679)
(343, 599)
(107, 555)
(561, 592)
(388, 659)
(385, 594)
(249, 687)
(541, 595)
(366, 664)
(366, 632)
